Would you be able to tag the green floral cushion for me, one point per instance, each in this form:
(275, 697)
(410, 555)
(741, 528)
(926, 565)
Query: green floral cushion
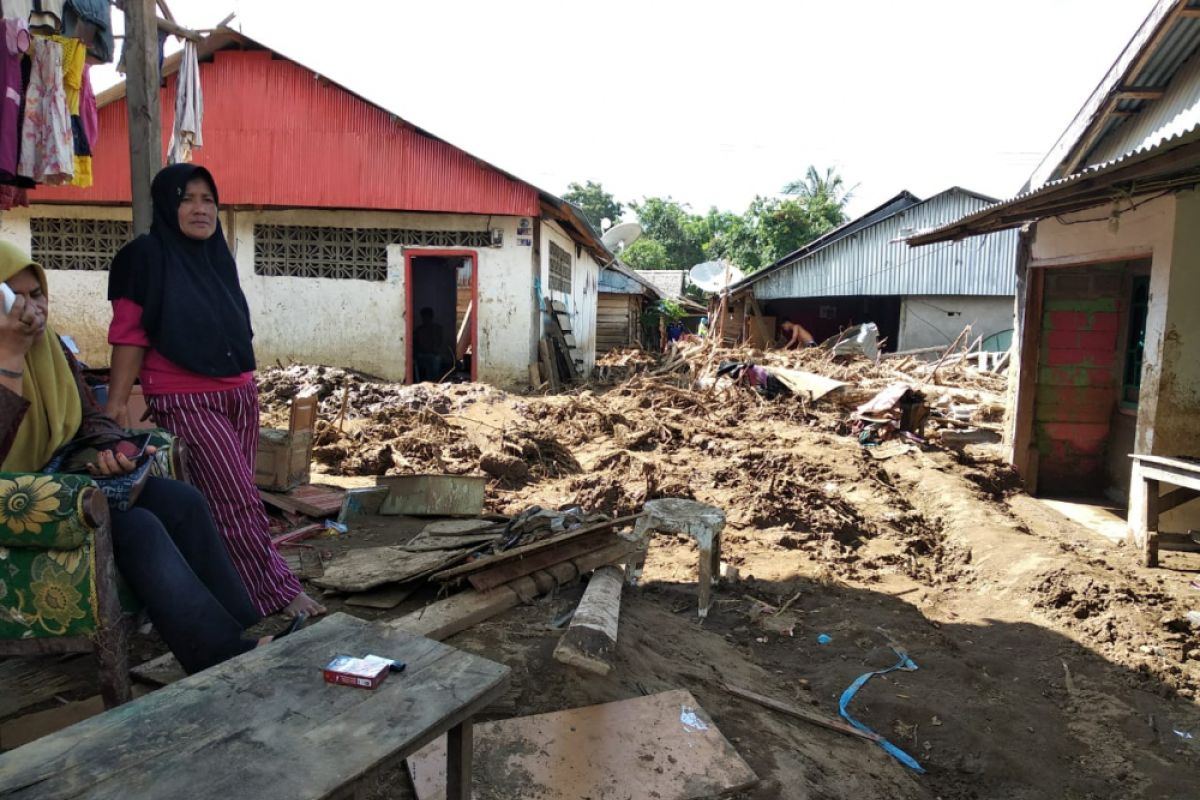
(43, 511)
(47, 592)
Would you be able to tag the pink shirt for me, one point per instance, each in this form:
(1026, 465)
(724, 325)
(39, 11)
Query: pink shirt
(159, 374)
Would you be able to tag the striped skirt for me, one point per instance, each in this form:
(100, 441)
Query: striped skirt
(221, 431)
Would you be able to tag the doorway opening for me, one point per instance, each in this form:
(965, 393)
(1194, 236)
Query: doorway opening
(441, 298)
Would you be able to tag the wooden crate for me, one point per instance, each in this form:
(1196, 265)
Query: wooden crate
(284, 457)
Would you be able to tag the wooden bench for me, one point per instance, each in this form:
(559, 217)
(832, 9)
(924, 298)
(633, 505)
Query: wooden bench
(1148, 473)
(267, 726)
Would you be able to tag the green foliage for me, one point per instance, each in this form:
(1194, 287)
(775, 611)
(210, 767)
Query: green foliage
(670, 224)
(670, 308)
(647, 254)
(596, 203)
(675, 238)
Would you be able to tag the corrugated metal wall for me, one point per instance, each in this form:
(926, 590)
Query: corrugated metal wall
(275, 134)
(876, 261)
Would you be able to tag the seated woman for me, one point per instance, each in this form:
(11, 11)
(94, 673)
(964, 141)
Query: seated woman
(166, 545)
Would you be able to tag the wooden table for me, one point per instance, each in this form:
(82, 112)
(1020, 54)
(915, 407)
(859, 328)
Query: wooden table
(266, 726)
(1148, 473)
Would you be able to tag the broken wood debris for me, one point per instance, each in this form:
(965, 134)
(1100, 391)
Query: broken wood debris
(460, 611)
(591, 639)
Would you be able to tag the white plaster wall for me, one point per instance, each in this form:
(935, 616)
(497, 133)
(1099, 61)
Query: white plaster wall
(582, 302)
(361, 324)
(932, 320)
(353, 324)
(79, 304)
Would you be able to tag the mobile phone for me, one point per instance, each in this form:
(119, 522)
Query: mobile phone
(133, 448)
(10, 297)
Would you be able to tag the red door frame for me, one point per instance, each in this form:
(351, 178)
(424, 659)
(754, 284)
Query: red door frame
(417, 252)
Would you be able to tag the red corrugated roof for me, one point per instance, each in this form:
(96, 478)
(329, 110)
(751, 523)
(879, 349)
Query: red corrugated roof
(275, 134)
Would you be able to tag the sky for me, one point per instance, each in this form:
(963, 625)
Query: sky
(714, 103)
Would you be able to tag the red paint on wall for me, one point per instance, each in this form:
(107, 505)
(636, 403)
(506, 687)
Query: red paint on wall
(277, 135)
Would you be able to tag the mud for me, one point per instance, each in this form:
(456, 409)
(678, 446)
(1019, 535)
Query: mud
(1051, 664)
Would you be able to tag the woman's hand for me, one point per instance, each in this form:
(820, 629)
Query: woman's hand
(110, 463)
(20, 328)
(118, 413)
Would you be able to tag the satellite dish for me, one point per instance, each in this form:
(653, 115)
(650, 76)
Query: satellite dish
(618, 237)
(714, 276)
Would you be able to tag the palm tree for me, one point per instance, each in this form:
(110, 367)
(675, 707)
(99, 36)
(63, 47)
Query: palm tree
(826, 188)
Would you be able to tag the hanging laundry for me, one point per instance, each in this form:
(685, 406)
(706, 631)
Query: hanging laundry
(16, 9)
(16, 42)
(91, 22)
(47, 14)
(47, 145)
(13, 196)
(89, 113)
(189, 107)
(74, 61)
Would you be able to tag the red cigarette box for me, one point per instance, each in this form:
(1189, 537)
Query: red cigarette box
(364, 673)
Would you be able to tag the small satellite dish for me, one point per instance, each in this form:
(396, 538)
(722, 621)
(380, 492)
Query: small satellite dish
(714, 276)
(618, 237)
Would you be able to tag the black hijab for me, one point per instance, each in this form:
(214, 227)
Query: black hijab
(193, 309)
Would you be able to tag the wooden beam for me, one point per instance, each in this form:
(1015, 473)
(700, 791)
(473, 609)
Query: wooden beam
(178, 30)
(1136, 93)
(1176, 498)
(145, 119)
(590, 641)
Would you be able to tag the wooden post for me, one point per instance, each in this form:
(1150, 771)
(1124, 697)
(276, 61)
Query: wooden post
(758, 321)
(142, 103)
(589, 642)
(459, 761)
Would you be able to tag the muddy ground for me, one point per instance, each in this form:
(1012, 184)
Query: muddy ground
(1051, 665)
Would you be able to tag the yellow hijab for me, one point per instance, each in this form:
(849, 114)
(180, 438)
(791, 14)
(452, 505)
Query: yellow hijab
(55, 408)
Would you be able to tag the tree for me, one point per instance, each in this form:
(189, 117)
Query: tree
(595, 203)
(670, 224)
(825, 188)
(647, 254)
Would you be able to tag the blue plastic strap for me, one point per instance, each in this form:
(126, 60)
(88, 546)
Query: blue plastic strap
(906, 664)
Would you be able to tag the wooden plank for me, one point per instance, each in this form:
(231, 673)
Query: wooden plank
(541, 559)
(590, 641)
(800, 713)
(28, 681)
(422, 543)
(231, 731)
(663, 746)
(1176, 498)
(463, 339)
(161, 671)
(311, 501)
(384, 597)
(459, 612)
(447, 617)
(31, 727)
(303, 532)
(549, 367)
(360, 570)
(518, 553)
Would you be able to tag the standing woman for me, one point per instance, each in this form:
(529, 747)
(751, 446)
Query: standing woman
(181, 321)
